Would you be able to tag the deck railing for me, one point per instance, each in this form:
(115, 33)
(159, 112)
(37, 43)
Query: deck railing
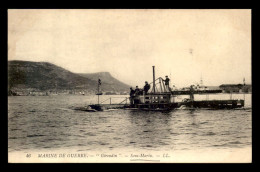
(111, 98)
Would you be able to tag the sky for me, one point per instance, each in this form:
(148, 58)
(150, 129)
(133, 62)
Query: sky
(186, 45)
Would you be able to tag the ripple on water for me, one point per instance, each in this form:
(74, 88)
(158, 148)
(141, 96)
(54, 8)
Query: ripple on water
(235, 142)
(116, 138)
(90, 134)
(176, 134)
(35, 135)
(209, 134)
(149, 146)
(81, 144)
(12, 137)
(103, 143)
(146, 131)
(204, 122)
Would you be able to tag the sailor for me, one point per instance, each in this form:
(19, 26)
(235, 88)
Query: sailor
(146, 87)
(137, 90)
(167, 81)
(136, 98)
(191, 93)
(132, 92)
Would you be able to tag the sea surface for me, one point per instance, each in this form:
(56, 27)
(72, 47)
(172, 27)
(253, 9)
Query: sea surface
(39, 123)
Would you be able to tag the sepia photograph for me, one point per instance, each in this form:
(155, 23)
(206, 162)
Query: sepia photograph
(129, 86)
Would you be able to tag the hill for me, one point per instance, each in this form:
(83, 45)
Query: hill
(45, 76)
(108, 81)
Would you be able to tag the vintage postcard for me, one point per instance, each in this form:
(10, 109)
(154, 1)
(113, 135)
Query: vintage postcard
(129, 86)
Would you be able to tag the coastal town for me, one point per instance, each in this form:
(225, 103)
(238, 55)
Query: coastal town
(224, 88)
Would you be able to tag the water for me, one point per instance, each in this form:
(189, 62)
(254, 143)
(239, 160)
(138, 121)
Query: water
(49, 123)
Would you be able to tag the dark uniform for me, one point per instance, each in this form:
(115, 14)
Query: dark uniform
(132, 93)
(137, 91)
(191, 93)
(146, 87)
(167, 81)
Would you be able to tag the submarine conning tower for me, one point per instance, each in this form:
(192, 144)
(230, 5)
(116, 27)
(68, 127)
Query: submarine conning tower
(159, 97)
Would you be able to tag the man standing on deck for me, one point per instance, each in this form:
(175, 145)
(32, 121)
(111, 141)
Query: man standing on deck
(137, 90)
(167, 82)
(191, 93)
(146, 87)
(132, 92)
(136, 99)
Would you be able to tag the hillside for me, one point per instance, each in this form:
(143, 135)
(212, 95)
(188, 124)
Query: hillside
(46, 76)
(108, 81)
